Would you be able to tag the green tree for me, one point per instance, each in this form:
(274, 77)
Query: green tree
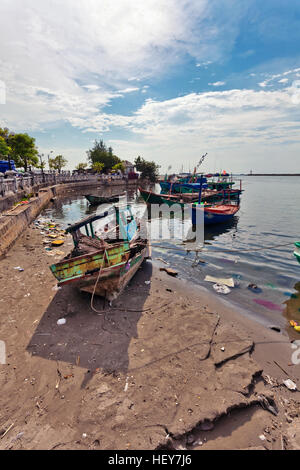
(98, 167)
(6, 134)
(148, 169)
(57, 163)
(23, 150)
(81, 166)
(4, 148)
(119, 166)
(101, 154)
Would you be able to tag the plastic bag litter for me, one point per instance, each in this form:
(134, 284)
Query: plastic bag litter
(290, 384)
(19, 268)
(61, 321)
(221, 289)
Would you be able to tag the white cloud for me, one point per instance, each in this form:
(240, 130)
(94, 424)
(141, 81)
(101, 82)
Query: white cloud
(65, 62)
(128, 90)
(82, 53)
(217, 83)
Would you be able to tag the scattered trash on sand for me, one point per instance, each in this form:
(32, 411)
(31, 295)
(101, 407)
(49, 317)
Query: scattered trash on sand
(221, 289)
(290, 384)
(59, 252)
(18, 268)
(55, 288)
(169, 271)
(57, 242)
(220, 281)
(7, 430)
(61, 321)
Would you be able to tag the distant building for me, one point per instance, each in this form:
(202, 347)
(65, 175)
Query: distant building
(129, 167)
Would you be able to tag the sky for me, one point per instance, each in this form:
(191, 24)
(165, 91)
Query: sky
(169, 80)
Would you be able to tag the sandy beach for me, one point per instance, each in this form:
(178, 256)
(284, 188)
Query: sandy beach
(169, 366)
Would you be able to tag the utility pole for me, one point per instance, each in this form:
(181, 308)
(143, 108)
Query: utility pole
(51, 151)
(42, 162)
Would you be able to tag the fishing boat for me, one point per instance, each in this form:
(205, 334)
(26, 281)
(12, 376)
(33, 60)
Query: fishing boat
(174, 187)
(94, 199)
(101, 265)
(169, 199)
(214, 213)
(297, 251)
(186, 198)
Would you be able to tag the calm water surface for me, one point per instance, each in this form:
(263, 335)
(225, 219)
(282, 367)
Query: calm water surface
(268, 217)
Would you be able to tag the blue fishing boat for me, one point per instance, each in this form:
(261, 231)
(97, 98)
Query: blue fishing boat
(210, 214)
(174, 187)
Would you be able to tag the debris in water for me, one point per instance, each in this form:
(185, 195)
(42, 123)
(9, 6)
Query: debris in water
(226, 282)
(255, 288)
(221, 289)
(269, 305)
(162, 260)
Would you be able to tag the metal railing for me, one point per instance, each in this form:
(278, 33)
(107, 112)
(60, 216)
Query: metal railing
(12, 185)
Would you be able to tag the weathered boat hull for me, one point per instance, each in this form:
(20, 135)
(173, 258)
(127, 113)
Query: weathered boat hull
(207, 196)
(112, 284)
(103, 266)
(77, 267)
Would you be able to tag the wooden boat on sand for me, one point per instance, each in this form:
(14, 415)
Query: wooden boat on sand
(102, 265)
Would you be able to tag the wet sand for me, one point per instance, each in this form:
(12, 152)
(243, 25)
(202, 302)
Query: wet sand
(181, 369)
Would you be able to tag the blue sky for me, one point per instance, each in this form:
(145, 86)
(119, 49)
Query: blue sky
(165, 79)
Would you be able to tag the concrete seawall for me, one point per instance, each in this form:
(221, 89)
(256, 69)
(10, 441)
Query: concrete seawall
(14, 221)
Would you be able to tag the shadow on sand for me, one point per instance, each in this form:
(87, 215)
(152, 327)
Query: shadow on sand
(90, 340)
